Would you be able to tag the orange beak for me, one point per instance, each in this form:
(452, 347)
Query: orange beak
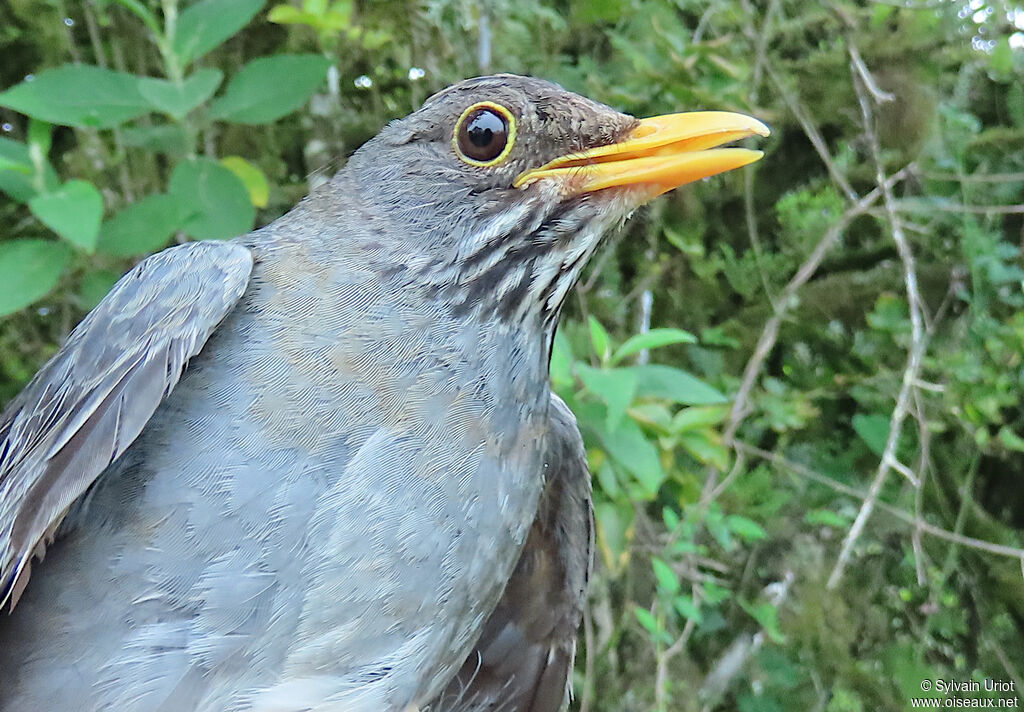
(662, 153)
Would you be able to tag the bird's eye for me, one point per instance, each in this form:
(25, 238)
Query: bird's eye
(484, 134)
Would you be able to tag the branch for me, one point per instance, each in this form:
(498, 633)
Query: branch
(770, 333)
(809, 127)
(792, 100)
(918, 346)
(910, 206)
(661, 679)
(743, 648)
(938, 532)
(880, 97)
(977, 177)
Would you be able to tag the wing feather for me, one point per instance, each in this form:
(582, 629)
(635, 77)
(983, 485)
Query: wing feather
(93, 398)
(524, 658)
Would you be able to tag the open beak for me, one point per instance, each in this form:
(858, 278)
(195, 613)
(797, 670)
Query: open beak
(662, 153)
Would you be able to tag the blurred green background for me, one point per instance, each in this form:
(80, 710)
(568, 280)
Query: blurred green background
(799, 383)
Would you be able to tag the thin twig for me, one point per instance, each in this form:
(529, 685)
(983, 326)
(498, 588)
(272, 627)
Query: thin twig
(755, 240)
(924, 437)
(753, 96)
(94, 35)
(930, 529)
(977, 177)
(880, 97)
(737, 468)
(702, 24)
(661, 676)
(966, 491)
(743, 648)
(910, 206)
(761, 45)
(813, 134)
(769, 335)
(918, 346)
(1007, 664)
(797, 108)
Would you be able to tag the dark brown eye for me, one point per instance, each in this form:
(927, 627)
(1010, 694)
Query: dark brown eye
(483, 134)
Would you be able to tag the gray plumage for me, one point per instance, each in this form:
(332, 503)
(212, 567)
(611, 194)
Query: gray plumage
(524, 657)
(297, 470)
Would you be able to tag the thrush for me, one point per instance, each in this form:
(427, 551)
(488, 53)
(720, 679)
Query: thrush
(319, 467)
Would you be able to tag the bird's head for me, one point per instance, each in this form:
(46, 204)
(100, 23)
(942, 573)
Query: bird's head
(502, 186)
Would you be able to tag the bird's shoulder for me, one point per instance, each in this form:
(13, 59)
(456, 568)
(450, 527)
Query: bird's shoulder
(89, 402)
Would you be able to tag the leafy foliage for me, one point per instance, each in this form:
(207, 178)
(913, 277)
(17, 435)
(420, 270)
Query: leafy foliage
(756, 357)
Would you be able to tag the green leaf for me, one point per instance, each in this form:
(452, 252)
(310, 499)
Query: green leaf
(706, 446)
(253, 178)
(270, 87)
(715, 594)
(338, 18)
(670, 517)
(6, 164)
(16, 172)
(636, 453)
(206, 24)
(607, 479)
(768, 616)
(746, 528)
(653, 415)
(1015, 105)
(614, 386)
(40, 137)
(1010, 439)
(290, 15)
(687, 608)
(614, 523)
(757, 703)
(890, 314)
(372, 39)
(177, 100)
(164, 138)
(143, 227)
(689, 241)
(29, 269)
(647, 620)
(716, 336)
(698, 417)
(844, 700)
(219, 200)
(73, 211)
(79, 95)
(600, 339)
(561, 362)
(827, 518)
(656, 381)
(1001, 59)
(652, 340)
(873, 430)
(665, 576)
(591, 11)
(880, 14)
(716, 525)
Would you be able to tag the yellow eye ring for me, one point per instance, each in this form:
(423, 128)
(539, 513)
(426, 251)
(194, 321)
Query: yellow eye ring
(484, 134)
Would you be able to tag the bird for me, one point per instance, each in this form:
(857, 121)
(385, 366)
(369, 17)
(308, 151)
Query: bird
(319, 467)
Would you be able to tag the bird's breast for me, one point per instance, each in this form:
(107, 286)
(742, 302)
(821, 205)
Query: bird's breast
(423, 434)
